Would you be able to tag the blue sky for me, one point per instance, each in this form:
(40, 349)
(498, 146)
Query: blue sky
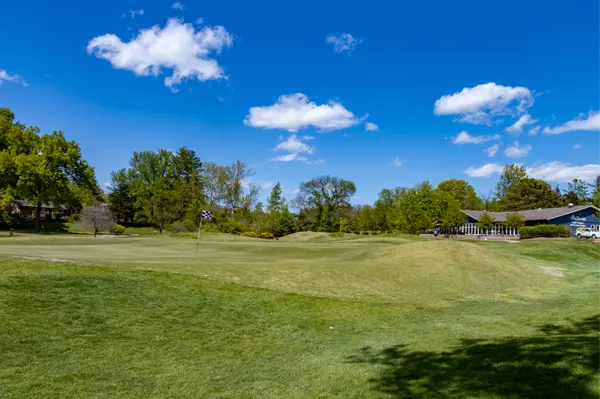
(384, 93)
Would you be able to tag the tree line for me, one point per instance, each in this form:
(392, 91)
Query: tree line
(168, 190)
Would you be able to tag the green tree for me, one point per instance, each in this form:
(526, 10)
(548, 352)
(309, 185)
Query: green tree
(530, 194)
(154, 187)
(461, 191)
(515, 220)
(577, 193)
(595, 200)
(287, 223)
(187, 172)
(511, 175)
(326, 198)
(41, 168)
(120, 198)
(453, 216)
(486, 221)
(276, 203)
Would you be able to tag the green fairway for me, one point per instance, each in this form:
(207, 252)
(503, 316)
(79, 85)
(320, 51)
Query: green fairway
(312, 315)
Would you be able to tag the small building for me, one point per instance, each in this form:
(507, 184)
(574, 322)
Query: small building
(572, 217)
(27, 209)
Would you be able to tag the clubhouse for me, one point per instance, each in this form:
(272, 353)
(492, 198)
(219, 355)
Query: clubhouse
(572, 217)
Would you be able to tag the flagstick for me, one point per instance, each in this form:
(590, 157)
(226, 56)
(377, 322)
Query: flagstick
(198, 240)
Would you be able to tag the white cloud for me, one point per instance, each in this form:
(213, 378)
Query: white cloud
(5, 76)
(199, 21)
(295, 147)
(576, 146)
(563, 172)
(555, 171)
(293, 144)
(107, 184)
(517, 127)
(267, 184)
(177, 46)
(371, 127)
(307, 138)
(135, 13)
(591, 124)
(294, 156)
(486, 170)
(516, 151)
(481, 103)
(177, 6)
(293, 112)
(492, 150)
(397, 162)
(534, 130)
(465, 138)
(343, 42)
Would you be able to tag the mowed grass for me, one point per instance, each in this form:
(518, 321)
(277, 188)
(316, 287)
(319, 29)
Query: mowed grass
(346, 318)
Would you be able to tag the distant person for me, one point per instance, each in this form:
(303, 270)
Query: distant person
(436, 232)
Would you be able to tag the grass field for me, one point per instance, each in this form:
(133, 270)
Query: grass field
(309, 316)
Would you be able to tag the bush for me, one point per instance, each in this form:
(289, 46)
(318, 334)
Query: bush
(543, 230)
(12, 220)
(211, 228)
(231, 227)
(117, 229)
(184, 226)
(74, 218)
(254, 234)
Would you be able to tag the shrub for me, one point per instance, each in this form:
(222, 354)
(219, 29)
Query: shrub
(75, 217)
(117, 229)
(254, 234)
(543, 230)
(231, 227)
(211, 228)
(12, 220)
(182, 227)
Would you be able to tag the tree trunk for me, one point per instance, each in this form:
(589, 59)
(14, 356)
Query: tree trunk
(38, 216)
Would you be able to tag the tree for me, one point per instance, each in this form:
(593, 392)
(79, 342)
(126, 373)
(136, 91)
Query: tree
(325, 197)
(461, 191)
(154, 187)
(237, 175)
(121, 200)
(515, 220)
(511, 175)
(214, 182)
(453, 217)
(530, 194)
(41, 168)
(276, 203)
(486, 221)
(577, 193)
(187, 184)
(97, 217)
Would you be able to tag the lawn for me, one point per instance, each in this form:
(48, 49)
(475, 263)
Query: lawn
(311, 316)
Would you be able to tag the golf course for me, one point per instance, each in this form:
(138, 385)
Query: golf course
(312, 315)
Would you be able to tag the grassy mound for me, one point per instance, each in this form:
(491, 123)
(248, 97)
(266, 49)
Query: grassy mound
(421, 273)
(453, 268)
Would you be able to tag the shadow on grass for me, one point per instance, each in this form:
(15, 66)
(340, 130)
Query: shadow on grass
(560, 362)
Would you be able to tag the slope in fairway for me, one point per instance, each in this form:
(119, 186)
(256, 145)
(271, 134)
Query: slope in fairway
(255, 319)
(423, 273)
